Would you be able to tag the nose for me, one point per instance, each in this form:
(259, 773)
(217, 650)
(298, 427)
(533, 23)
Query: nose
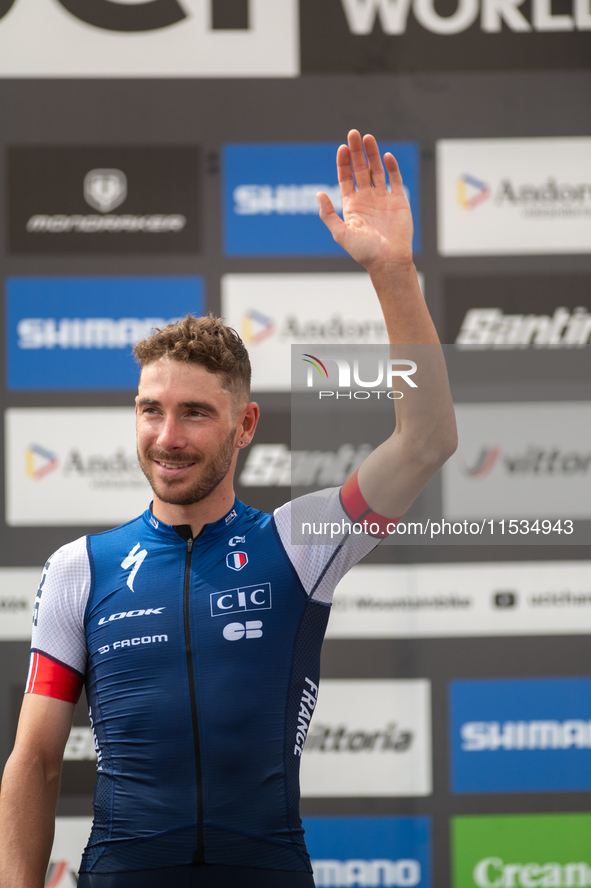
(171, 435)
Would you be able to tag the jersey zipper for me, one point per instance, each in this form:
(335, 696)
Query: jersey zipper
(199, 853)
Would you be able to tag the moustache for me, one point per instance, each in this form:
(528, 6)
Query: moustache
(162, 456)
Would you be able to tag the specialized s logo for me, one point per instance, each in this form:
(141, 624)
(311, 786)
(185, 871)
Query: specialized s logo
(133, 560)
(236, 560)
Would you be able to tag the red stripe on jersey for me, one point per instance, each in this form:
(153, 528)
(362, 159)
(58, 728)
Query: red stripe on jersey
(52, 679)
(358, 510)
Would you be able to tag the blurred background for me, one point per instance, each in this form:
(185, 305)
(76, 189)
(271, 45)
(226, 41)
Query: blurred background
(162, 157)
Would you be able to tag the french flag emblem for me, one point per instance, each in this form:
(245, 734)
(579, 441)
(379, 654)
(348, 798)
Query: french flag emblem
(236, 560)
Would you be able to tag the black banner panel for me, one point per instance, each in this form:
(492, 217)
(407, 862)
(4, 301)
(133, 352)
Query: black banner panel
(103, 200)
(373, 36)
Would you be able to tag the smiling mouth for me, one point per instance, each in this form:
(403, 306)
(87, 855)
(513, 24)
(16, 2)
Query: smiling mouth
(173, 465)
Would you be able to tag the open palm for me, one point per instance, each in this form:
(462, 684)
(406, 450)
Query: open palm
(376, 228)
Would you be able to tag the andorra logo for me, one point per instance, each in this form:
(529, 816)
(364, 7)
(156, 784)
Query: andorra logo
(256, 327)
(39, 462)
(471, 192)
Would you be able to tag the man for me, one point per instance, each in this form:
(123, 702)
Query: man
(197, 627)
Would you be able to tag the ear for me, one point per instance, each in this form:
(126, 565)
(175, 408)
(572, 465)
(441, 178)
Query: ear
(250, 418)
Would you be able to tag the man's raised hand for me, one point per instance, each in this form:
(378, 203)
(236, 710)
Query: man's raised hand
(376, 229)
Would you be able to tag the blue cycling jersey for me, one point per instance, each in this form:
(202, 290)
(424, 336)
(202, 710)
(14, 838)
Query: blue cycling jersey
(201, 662)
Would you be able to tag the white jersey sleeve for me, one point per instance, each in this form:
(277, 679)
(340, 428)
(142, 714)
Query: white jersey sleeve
(58, 644)
(336, 521)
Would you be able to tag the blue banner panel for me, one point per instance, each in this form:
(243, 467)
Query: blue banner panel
(270, 206)
(520, 735)
(78, 332)
(356, 851)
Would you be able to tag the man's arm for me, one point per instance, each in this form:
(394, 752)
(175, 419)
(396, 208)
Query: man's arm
(376, 230)
(30, 788)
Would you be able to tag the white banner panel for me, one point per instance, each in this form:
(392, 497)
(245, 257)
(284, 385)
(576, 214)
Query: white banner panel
(67, 466)
(274, 311)
(71, 836)
(457, 600)
(18, 586)
(124, 38)
(520, 460)
(513, 196)
(369, 738)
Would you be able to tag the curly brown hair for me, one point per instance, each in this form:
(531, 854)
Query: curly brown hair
(206, 341)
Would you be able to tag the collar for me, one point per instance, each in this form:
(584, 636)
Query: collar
(209, 531)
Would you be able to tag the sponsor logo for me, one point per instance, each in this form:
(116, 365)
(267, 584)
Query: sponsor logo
(155, 189)
(520, 735)
(270, 196)
(505, 599)
(233, 541)
(105, 190)
(383, 749)
(133, 613)
(341, 738)
(13, 605)
(230, 516)
(402, 873)
(490, 327)
(97, 478)
(236, 560)
(132, 642)
(307, 705)
(493, 871)
(517, 312)
(276, 311)
(478, 736)
(471, 192)
(273, 465)
(133, 560)
(256, 327)
(417, 35)
(246, 598)
(521, 850)
(362, 851)
(422, 601)
(533, 461)
(520, 460)
(525, 204)
(39, 461)
(236, 631)
(73, 348)
(160, 38)
(548, 198)
(561, 599)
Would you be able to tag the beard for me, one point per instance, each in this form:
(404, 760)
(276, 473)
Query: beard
(174, 491)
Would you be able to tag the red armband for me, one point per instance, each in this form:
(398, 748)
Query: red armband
(357, 509)
(50, 678)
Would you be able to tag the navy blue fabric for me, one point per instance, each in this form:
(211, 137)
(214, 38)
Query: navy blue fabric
(207, 876)
(146, 798)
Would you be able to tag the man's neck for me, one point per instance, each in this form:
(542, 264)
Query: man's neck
(197, 515)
